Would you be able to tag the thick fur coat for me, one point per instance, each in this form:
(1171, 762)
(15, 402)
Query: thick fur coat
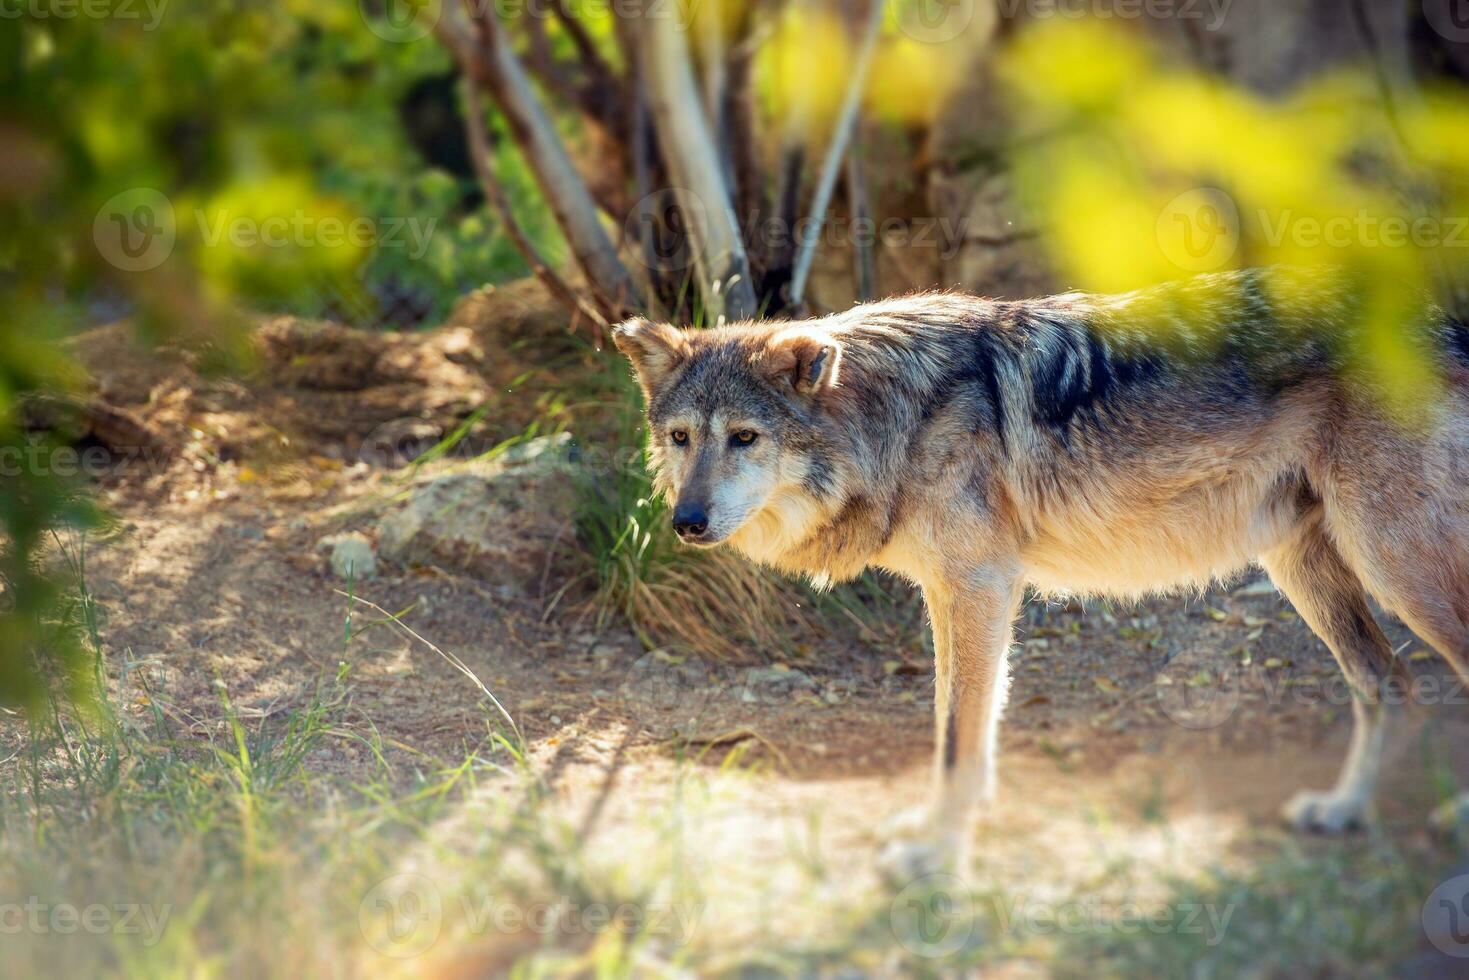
(1089, 444)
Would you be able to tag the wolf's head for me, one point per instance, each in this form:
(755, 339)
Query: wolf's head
(733, 417)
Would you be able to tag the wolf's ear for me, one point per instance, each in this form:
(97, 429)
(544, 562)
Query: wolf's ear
(655, 349)
(808, 362)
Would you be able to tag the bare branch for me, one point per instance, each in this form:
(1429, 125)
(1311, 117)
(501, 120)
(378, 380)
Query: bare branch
(492, 63)
(591, 88)
(840, 137)
(715, 73)
(748, 182)
(484, 168)
(864, 266)
(591, 57)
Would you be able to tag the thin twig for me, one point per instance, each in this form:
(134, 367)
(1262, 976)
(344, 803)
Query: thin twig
(841, 135)
(591, 57)
(864, 265)
(486, 54)
(737, 735)
(479, 151)
(454, 661)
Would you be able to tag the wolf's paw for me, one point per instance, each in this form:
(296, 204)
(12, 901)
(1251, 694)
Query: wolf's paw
(912, 823)
(1325, 813)
(914, 847)
(901, 862)
(1450, 816)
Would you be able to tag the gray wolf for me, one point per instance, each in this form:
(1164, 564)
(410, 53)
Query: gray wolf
(1100, 445)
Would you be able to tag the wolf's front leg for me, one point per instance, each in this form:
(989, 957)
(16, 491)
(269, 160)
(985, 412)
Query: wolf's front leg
(972, 615)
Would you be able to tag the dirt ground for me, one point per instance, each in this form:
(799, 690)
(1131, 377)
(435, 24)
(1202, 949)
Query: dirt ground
(1209, 709)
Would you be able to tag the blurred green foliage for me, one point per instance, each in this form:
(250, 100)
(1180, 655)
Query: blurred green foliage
(182, 163)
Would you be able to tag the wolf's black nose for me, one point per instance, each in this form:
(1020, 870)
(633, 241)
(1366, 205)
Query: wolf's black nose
(689, 520)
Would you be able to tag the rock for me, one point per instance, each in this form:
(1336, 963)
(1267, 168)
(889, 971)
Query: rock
(497, 521)
(353, 556)
(771, 685)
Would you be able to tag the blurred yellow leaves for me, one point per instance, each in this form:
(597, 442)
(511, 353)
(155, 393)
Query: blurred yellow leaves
(911, 80)
(271, 236)
(926, 50)
(1141, 172)
(802, 70)
(1073, 64)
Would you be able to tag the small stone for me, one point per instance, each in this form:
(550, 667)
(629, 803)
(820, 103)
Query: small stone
(1262, 586)
(353, 557)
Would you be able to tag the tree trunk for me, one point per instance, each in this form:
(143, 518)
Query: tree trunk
(697, 173)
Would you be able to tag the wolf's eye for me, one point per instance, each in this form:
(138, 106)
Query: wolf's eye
(744, 437)
(679, 437)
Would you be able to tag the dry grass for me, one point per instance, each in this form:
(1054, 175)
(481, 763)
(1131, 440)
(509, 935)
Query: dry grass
(710, 602)
(232, 854)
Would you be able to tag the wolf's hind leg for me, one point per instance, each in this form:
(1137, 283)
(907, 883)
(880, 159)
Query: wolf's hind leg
(1406, 535)
(1310, 571)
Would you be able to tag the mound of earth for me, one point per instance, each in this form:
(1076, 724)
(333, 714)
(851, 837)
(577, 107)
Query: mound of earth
(321, 391)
